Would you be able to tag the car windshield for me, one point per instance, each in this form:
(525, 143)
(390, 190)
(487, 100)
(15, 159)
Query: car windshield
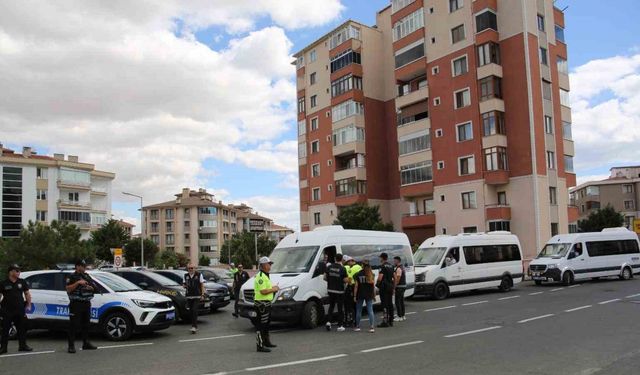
(556, 250)
(293, 259)
(223, 274)
(115, 282)
(176, 276)
(162, 280)
(429, 256)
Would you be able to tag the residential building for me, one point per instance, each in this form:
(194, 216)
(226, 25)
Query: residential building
(40, 188)
(452, 116)
(278, 232)
(621, 190)
(128, 227)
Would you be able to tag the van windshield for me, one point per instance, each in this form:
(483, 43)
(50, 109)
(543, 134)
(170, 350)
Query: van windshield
(293, 259)
(556, 250)
(429, 256)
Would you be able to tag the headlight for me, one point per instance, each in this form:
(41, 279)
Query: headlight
(182, 293)
(144, 304)
(552, 266)
(286, 294)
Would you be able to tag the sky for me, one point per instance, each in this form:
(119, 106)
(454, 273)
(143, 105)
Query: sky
(201, 93)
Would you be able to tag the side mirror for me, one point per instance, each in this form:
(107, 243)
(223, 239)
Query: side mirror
(143, 285)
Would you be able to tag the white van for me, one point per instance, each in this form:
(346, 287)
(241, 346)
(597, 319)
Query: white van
(570, 257)
(297, 269)
(449, 264)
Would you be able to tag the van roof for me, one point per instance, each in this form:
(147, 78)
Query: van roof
(337, 234)
(607, 233)
(467, 238)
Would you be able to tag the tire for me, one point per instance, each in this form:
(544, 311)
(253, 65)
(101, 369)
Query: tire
(538, 282)
(117, 326)
(567, 278)
(440, 291)
(311, 315)
(627, 274)
(505, 284)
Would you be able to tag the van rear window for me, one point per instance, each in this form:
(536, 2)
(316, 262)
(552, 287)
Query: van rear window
(615, 247)
(491, 254)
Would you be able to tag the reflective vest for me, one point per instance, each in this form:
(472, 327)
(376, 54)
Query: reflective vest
(352, 272)
(262, 282)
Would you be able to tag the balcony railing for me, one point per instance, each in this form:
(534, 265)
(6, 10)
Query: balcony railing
(418, 213)
(83, 184)
(79, 204)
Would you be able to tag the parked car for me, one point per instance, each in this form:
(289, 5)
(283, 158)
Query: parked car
(218, 294)
(218, 275)
(148, 280)
(118, 309)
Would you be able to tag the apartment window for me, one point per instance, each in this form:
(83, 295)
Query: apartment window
(553, 196)
(316, 194)
(314, 101)
(348, 134)
(593, 190)
(302, 128)
(313, 56)
(462, 98)
(436, 101)
(170, 239)
(74, 197)
(330, 187)
(544, 56)
(495, 159)
(566, 130)
(493, 123)
(568, 163)
(408, 24)
(486, 20)
(299, 62)
(627, 189)
(315, 170)
(469, 200)
(466, 165)
(455, 5)
(345, 84)
(465, 132)
(440, 165)
(345, 59)
(41, 173)
(404, 120)
(346, 109)
(41, 216)
(207, 224)
(551, 160)
(154, 214)
(41, 195)
(155, 239)
(187, 225)
(540, 22)
(470, 230)
(629, 205)
(573, 228)
(169, 226)
(565, 99)
(502, 198)
(301, 106)
(204, 211)
(414, 143)
(396, 5)
(315, 147)
(312, 78)
(563, 66)
(490, 87)
(342, 35)
(415, 173)
(546, 89)
(302, 150)
(488, 53)
(155, 227)
(460, 66)
(560, 33)
(350, 186)
(548, 125)
(554, 229)
(503, 225)
(409, 54)
(316, 218)
(457, 34)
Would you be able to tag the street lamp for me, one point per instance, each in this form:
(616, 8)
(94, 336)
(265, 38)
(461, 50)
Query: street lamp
(141, 227)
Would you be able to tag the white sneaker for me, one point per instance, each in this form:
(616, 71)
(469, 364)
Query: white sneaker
(397, 319)
(194, 330)
(404, 318)
(328, 325)
(341, 329)
(356, 329)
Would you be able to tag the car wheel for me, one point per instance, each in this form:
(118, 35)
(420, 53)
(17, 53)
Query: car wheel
(538, 282)
(311, 315)
(626, 274)
(567, 278)
(440, 291)
(117, 326)
(506, 284)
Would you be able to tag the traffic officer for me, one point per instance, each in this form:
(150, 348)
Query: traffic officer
(263, 295)
(352, 269)
(233, 269)
(386, 285)
(80, 289)
(15, 302)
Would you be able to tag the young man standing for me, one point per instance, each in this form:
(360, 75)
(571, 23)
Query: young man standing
(194, 283)
(401, 286)
(239, 278)
(263, 296)
(80, 289)
(386, 285)
(15, 301)
(336, 277)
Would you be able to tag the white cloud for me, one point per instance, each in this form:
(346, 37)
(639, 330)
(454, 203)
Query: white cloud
(283, 210)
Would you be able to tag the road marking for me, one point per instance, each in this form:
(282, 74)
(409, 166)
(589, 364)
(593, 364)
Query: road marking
(535, 294)
(29, 353)
(556, 289)
(506, 298)
(633, 295)
(296, 362)
(472, 332)
(474, 303)
(535, 318)
(410, 313)
(574, 286)
(212, 338)
(609, 301)
(125, 345)
(391, 346)
(440, 308)
(578, 308)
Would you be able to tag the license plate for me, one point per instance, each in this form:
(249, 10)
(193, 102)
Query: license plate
(171, 316)
(536, 274)
(207, 305)
(540, 278)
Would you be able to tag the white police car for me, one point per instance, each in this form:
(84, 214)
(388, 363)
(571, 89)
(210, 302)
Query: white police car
(118, 308)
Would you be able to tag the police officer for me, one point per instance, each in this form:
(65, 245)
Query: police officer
(352, 269)
(15, 301)
(386, 285)
(80, 289)
(194, 284)
(239, 279)
(336, 277)
(263, 295)
(401, 286)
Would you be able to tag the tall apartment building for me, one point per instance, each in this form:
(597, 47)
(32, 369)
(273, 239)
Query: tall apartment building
(41, 188)
(452, 115)
(621, 190)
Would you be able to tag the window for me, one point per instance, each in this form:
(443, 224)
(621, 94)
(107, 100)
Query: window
(493, 123)
(408, 24)
(187, 225)
(469, 200)
(486, 20)
(396, 5)
(500, 225)
(342, 35)
(604, 248)
(465, 132)
(551, 160)
(316, 218)
(204, 211)
(467, 165)
(348, 134)
(41, 195)
(345, 84)
(628, 222)
(439, 133)
(455, 5)
(415, 173)
(330, 187)
(41, 216)
(540, 22)
(346, 109)
(460, 66)
(548, 125)
(155, 227)
(593, 190)
(302, 150)
(491, 254)
(565, 99)
(490, 87)
(457, 34)
(435, 70)
(345, 59)
(314, 124)
(74, 197)
(495, 159)
(315, 147)
(502, 198)
(316, 194)
(441, 165)
(350, 186)
(488, 53)
(405, 120)
(302, 127)
(563, 66)
(436, 101)
(409, 54)
(74, 216)
(154, 214)
(573, 228)
(546, 89)
(314, 101)
(155, 238)
(560, 33)
(313, 56)
(312, 78)
(627, 189)
(566, 130)
(544, 56)
(414, 143)
(169, 226)
(629, 205)
(315, 170)
(301, 106)
(46, 281)
(299, 62)
(553, 196)
(41, 173)
(170, 239)
(462, 98)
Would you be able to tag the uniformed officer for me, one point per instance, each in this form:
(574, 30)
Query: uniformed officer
(386, 285)
(349, 303)
(80, 289)
(263, 295)
(194, 284)
(15, 301)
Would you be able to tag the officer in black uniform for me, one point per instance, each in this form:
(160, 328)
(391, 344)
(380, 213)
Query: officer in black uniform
(80, 289)
(194, 284)
(239, 278)
(386, 285)
(15, 301)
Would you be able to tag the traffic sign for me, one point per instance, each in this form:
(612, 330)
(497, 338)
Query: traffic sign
(117, 258)
(636, 225)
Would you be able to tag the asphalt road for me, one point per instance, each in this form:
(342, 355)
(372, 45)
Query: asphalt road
(589, 328)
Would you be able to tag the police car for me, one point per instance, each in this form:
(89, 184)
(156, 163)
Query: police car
(118, 308)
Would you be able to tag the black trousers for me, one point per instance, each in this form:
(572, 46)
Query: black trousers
(336, 299)
(18, 319)
(79, 318)
(400, 301)
(349, 306)
(192, 305)
(236, 296)
(261, 321)
(386, 298)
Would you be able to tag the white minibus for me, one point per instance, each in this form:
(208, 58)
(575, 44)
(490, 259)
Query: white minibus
(449, 264)
(298, 268)
(576, 256)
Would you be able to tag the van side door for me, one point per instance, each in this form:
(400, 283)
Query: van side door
(453, 269)
(577, 260)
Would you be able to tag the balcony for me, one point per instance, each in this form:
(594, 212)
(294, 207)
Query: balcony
(412, 97)
(74, 205)
(414, 126)
(498, 177)
(84, 225)
(359, 173)
(417, 189)
(418, 220)
(411, 70)
(208, 230)
(489, 70)
(75, 185)
(207, 242)
(498, 212)
(349, 148)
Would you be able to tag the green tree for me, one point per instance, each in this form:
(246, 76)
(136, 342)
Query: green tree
(132, 251)
(166, 259)
(362, 216)
(204, 261)
(110, 236)
(603, 218)
(183, 260)
(243, 251)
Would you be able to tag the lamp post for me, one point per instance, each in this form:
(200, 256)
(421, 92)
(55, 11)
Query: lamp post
(141, 228)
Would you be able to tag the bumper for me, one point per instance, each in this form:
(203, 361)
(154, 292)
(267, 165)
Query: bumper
(219, 301)
(284, 311)
(161, 321)
(423, 289)
(548, 275)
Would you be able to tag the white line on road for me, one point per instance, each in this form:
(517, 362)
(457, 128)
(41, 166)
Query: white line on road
(391, 346)
(296, 362)
(535, 294)
(30, 353)
(609, 301)
(440, 308)
(535, 318)
(410, 313)
(474, 303)
(212, 338)
(633, 295)
(578, 308)
(506, 298)
(125, 345)
(556, 289)
(574, 286)
(472, 332)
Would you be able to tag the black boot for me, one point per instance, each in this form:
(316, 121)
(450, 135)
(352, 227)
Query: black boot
(72, 349)
(3, 350)
(267, 341)
(25, 348)
(260, 347)
(88, 346)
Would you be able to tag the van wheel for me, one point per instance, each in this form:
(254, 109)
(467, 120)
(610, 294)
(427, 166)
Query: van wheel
(440, 291)
(311, 315)
(506, 284)
(567, 278)
(117, 326)
(538, 282)
(626, 274)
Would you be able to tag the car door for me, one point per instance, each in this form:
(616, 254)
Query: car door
(49, 297)
(453, 272)
(577, 261)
